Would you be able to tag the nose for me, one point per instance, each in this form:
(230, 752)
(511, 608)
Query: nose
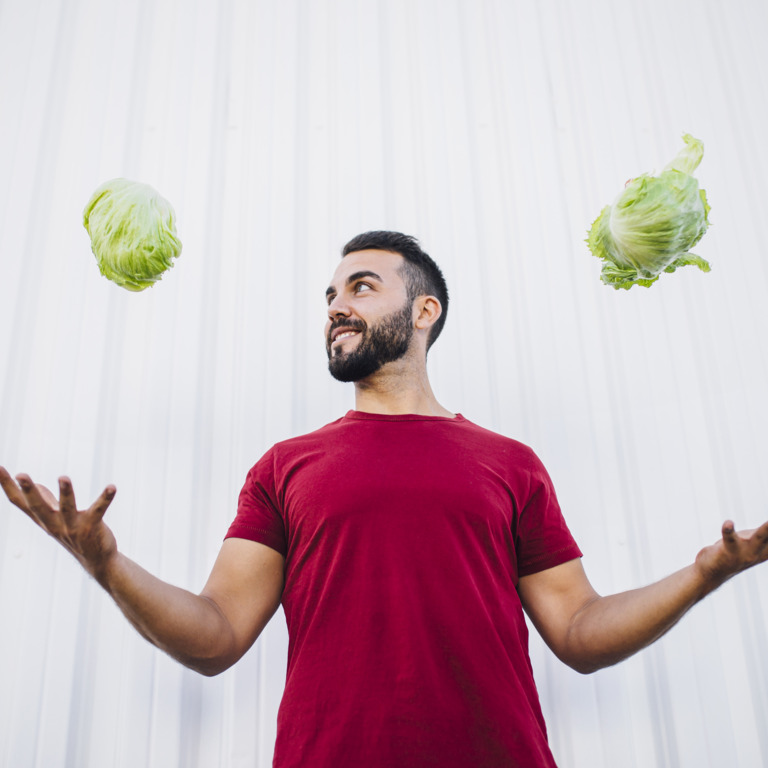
(338, 308)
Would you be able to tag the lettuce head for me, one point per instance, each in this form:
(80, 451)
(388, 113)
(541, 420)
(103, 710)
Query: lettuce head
(133, 233)
(653, 223)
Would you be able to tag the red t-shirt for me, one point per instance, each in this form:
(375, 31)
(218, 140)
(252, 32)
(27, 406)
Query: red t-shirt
(404, 537)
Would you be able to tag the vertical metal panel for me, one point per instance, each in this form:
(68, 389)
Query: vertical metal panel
(495, 131)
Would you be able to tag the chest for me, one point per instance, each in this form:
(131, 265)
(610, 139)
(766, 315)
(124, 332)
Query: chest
(406, 488)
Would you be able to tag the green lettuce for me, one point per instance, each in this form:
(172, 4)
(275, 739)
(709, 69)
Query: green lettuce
(653, 223)
(133, 233)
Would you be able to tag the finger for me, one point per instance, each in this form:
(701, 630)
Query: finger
(100, 506)
(755, 545)
(729, 534)
(67, 503)
(11, 489)
(761, 536)
(38, 508)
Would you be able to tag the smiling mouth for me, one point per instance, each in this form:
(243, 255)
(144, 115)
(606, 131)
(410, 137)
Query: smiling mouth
(345, 335)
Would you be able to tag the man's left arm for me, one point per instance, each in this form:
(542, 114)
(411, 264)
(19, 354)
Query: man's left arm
(589, 632)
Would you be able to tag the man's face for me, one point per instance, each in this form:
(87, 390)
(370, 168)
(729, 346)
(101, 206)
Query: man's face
(370, 318)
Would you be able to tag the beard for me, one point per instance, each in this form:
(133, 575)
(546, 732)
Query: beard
(386, 341)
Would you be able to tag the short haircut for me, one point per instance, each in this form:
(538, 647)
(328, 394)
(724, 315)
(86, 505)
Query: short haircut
(421, 275)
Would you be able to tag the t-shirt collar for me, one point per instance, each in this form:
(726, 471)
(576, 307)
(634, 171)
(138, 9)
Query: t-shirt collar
(364, 416)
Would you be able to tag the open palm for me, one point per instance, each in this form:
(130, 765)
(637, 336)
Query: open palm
(82, 532)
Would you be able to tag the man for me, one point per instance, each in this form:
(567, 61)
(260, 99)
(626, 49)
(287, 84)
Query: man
(404, 543)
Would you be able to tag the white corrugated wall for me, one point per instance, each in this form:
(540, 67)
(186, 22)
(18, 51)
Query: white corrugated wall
(495, 131)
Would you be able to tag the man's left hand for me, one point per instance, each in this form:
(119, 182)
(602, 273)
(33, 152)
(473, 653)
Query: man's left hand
(734, 552)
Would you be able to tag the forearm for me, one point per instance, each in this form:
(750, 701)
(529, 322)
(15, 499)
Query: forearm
(207, 632)
(188, 627)
(607, 630)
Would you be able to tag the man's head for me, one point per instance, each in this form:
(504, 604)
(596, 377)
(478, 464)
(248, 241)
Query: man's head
(421, 275)
(385, 290)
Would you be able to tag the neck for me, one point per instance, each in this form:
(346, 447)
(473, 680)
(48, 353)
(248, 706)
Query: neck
(398, 388)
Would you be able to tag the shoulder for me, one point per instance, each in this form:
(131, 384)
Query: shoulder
(309, 439)
(278, 462)
(500, 444)
(300, 444)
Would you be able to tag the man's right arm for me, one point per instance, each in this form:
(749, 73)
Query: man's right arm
(207, 632)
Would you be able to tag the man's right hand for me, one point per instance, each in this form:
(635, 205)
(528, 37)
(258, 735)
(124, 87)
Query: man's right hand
(82, 532)
(207, 632)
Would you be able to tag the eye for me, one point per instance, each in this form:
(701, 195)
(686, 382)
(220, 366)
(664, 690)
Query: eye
(360, 286)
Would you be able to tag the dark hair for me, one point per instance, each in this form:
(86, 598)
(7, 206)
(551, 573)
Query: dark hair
(421, 275)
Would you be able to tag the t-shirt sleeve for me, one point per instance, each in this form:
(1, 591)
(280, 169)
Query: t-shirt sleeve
(543, 538)
(258, 511)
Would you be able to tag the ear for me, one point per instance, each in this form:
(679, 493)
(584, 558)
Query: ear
(427, 310)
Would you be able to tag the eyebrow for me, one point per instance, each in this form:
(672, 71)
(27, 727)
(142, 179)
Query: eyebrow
(353, 277)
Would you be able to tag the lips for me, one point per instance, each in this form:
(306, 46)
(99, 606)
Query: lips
(343, 332)
(344, 335)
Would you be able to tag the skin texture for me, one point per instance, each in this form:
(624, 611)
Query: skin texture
(210, 631)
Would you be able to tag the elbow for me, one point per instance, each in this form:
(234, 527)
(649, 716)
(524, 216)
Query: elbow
(210, 670)
(585, 658)
(209, 660)
(585, 666)
(208, 667)
(584, 650)
(586, 663)
(216, 649)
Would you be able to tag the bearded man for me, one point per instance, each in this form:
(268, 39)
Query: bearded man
(404, 543)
